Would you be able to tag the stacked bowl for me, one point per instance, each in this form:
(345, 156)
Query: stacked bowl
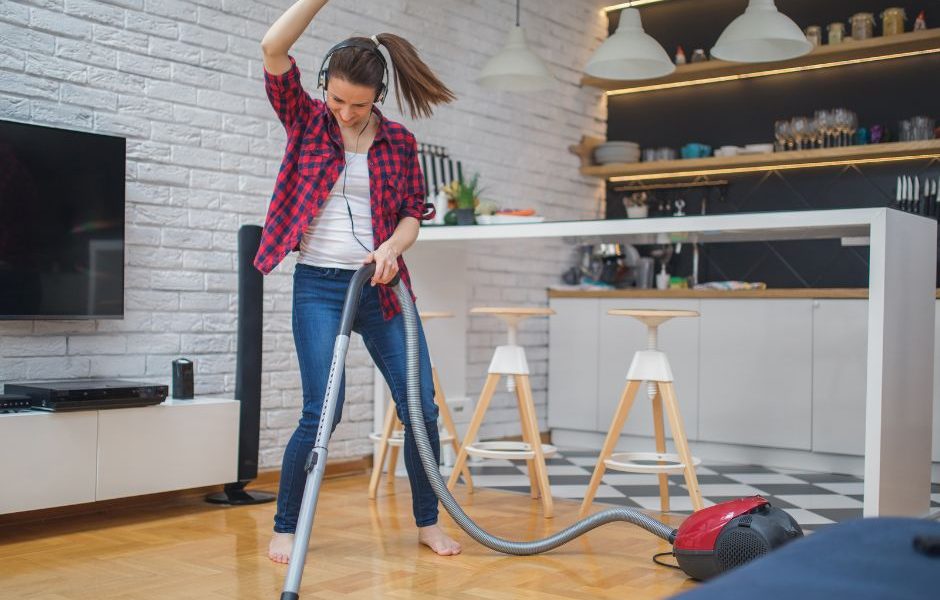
(617, 152)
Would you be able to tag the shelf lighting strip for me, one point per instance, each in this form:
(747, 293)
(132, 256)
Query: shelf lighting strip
(770, 72)
(780, 167)
(633, 4)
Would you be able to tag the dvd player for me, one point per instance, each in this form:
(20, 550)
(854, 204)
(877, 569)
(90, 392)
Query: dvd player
(88, 394)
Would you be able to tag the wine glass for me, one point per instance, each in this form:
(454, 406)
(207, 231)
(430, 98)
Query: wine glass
(783, 135)
(843, 123)
(824, 127)
(800, 128)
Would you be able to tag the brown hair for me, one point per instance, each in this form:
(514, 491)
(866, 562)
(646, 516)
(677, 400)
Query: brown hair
(414, 80)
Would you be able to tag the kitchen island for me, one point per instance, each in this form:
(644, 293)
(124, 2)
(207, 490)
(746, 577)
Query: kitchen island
(900, 315)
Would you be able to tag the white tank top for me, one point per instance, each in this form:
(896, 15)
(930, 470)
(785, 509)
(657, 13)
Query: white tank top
(328, 240)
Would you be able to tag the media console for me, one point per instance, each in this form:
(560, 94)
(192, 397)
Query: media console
(85, 456)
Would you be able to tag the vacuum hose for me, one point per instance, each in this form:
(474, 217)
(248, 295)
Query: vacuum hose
(443, 494)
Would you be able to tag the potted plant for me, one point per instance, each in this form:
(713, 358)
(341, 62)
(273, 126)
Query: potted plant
(636, 205)
(466, 196)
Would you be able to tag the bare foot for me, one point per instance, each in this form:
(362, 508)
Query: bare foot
(280, 547)
(434, 538)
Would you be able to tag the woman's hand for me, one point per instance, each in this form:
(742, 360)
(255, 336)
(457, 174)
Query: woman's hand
(385, 258)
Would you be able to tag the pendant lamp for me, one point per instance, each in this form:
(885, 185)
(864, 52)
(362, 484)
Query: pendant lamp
(761, 34)
(515, 68)
(629, 53)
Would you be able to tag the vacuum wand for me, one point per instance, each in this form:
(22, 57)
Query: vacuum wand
(316, 461)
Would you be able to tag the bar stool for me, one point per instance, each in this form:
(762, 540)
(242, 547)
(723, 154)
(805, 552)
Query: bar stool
(652, 366)
(510, 360)
(393, 432)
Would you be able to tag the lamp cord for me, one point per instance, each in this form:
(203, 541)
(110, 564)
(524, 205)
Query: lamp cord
(517, 12)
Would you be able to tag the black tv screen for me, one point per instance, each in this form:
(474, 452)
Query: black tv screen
(61, 223)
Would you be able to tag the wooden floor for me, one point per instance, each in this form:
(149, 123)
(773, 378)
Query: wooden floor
(359, 549)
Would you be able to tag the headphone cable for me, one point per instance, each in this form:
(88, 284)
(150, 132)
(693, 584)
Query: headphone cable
(352, 224)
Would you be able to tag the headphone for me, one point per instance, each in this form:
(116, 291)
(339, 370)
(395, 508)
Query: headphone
(355, 43)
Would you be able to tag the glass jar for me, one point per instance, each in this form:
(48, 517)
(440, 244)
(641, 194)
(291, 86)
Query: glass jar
(836, 33)
(863, 26)
(814, 35)
(892, 21)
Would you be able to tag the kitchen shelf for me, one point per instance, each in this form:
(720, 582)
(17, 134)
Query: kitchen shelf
(716, 71)
(772, 161)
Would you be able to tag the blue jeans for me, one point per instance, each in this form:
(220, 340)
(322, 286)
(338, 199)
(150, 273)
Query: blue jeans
(319, 295)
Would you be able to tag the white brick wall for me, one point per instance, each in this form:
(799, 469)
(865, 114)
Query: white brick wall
(181, 79)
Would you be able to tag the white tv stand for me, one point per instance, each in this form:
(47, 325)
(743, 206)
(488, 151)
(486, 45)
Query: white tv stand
(57, 459)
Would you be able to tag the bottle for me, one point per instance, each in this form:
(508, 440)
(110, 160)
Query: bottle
(836, 33)
(892, 21)
(699, 55)
(680, 55)
(814, 35)
(662, 279)
(920, 23)
(863, 25)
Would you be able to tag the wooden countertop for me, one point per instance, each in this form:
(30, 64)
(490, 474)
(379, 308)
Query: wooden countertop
(778, 293)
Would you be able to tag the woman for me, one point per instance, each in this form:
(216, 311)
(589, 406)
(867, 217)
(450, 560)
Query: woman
(349, 192)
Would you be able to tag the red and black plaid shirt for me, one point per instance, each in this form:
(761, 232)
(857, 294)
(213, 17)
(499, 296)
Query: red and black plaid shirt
(313, 161)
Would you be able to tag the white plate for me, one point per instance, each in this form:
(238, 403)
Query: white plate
(507, 219)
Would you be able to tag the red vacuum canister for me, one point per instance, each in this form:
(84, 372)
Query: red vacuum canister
(730, 534)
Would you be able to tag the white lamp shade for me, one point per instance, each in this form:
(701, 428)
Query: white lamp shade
(761, 34)
(515, 68)
(629, 53)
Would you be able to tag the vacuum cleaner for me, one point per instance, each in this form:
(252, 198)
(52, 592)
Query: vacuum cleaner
(707, 543)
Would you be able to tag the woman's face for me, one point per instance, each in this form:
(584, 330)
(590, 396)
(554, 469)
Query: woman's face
(350, 103)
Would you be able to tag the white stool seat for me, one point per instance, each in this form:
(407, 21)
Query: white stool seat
(398, 437)
(644, 462)
(508, 450)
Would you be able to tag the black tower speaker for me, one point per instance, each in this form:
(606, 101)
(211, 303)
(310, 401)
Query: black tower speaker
(247, 372)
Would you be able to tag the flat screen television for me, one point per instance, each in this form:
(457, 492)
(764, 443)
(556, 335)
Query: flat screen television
(61, 223)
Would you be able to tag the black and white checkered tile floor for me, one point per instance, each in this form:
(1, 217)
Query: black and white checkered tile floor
(813, 499)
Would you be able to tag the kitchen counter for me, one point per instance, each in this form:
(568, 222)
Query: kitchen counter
(779, 293)
(899, 359)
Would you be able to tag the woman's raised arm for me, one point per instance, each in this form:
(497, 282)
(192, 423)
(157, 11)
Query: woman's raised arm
(285, 31)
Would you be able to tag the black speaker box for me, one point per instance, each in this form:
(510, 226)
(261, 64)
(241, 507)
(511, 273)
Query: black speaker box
(247, 372)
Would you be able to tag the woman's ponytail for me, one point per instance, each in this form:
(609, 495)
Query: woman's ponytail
(414, 80)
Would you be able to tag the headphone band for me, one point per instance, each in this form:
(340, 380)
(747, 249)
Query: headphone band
(356, 43)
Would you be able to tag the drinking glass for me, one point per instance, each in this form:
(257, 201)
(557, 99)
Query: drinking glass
(800, 128)
(783, 135)
(824, 124)
(842, 122)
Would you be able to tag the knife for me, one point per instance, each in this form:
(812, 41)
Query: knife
(936, 199)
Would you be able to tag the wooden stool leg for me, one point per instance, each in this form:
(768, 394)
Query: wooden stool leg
(449, 426)
(548, 506)
(534, 484)
(661, 448)
(393, 455)
(379, 463)
(682, 445)
(620, 416)
(482, 404)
